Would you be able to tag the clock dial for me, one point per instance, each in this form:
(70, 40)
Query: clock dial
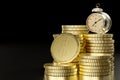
(95, 22)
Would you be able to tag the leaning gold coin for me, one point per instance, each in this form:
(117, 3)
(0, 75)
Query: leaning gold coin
(65, 48)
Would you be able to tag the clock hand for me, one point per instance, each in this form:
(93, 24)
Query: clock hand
(96, 21)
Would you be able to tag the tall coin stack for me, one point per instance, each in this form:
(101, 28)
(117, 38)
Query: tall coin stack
(98, 62)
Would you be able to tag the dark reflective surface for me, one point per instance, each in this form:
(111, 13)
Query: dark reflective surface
(25, 61)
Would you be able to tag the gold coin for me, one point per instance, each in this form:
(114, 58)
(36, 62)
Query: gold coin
(95, 64)
(80, 37)
(99, 39)
(110, 53)
(74, 77)
(61, 74)
(94, 68)
(98, 35)
(75, 32)
(95, 60)
(99, 45)
(94, 71)
(65, 48)
(60, 66)
(74, 27)
(96, 56)
(101, 42)
(100, 48)
(61, 70)
(99, 51)
(95, 77)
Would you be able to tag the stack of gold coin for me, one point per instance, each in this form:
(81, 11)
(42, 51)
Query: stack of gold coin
(75, 29)
(96, 66)
(60, 71)
(99, 43)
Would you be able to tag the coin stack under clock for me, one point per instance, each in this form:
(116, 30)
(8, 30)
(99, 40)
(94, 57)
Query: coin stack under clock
(98, 62)
(65, 50)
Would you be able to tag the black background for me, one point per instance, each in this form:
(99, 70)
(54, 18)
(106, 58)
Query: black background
(26, 31)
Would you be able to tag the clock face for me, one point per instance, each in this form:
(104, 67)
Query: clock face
(96, 22)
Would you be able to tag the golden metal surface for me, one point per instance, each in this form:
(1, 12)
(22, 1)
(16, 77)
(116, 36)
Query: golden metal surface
(95, 64)
(96, 60)
(65, 48)
(100, 45)
(96, 56)
(101, 42)
(109, 53)
(74, 27)
(100, 48)
(61, 77)
(94, 68)
(75, 32)
(94, 71)
(99, 38)
(60, 66)
(99, 51)
(98, 35)
(61, 74)
(61, 70)
(103, 77)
